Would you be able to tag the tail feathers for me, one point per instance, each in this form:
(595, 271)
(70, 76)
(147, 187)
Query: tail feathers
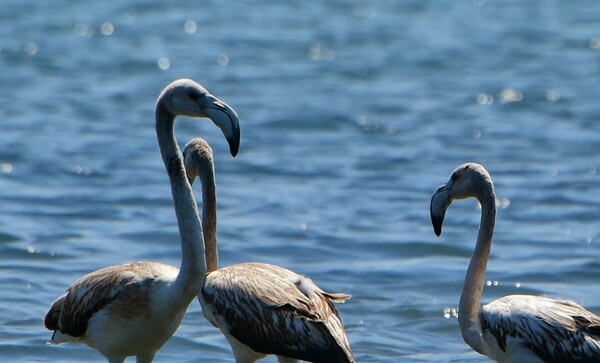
(337, 296)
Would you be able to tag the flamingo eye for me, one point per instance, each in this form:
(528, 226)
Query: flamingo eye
(194, 96)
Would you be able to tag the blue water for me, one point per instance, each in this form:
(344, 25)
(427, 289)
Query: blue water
(352, 113)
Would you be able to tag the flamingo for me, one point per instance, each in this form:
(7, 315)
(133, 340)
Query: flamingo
(263, 309)
(514, 328)
(134, 308)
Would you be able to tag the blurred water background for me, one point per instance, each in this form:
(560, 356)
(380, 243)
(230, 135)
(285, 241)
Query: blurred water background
(352, 113)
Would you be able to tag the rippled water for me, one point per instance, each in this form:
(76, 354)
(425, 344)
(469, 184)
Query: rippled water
(352, 113)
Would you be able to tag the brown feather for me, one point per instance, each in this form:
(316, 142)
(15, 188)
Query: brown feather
(258, 304)
(95, 291)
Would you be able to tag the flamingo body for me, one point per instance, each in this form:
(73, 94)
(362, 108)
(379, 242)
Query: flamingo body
(120, 310)
(549, 330)
(272, 310)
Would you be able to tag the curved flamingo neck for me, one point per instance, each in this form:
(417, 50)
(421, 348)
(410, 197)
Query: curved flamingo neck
(470, 299)
(209, 217)
(193, 267)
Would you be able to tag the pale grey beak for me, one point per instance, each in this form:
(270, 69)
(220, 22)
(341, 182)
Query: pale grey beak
(226, 118)
(440, 201)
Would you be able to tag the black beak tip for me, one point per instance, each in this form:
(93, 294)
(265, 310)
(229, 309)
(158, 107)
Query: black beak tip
(234, 142)
(234, 147)
(437, 223)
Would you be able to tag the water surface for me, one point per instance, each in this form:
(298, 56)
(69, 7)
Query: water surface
(352, 113)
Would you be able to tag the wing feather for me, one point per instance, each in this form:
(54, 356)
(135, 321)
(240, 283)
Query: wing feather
(71, 312)
(276, 311)
(555, 330)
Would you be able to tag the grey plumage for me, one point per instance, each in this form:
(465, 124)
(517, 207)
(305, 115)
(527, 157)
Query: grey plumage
(555, 330)
(276, 311)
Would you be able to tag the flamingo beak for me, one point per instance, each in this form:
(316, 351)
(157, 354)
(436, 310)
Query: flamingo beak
(226, 118)
(440, 201)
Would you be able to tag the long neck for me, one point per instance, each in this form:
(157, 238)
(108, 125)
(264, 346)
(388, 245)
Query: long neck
(193, 266)
(209, 217)
(470, 300)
